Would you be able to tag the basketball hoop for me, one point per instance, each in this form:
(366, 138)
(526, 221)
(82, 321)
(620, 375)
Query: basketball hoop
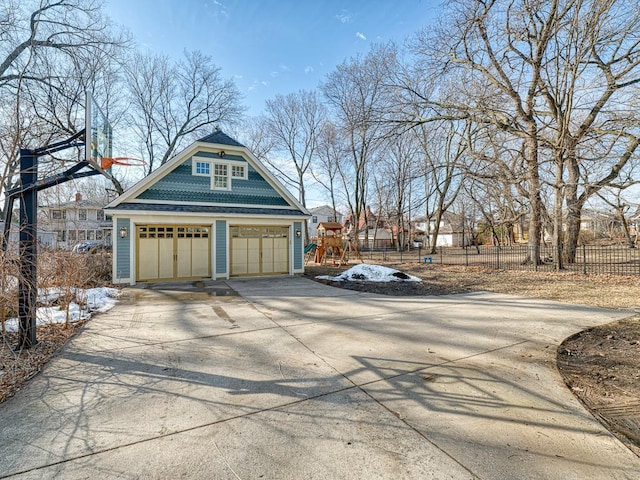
(106, 162)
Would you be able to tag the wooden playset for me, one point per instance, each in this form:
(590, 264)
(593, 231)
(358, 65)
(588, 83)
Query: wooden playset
(331, 243)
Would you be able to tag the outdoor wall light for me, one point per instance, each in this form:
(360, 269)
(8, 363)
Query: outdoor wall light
(123, 232)
(298, 233)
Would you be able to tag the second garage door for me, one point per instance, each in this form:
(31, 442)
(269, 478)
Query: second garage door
(259, 250)
(172, 252)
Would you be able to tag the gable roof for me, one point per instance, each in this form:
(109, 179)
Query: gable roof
(220, 138)
(216, 145)
(324, 209)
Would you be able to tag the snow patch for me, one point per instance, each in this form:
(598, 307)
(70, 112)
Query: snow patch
(89, 301)
(370, 273)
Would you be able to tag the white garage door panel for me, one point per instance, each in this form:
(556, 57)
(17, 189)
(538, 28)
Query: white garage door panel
(165, 258)
(148, 258)
(200, 262)
(259, 250)
(253, 255)
(184, 257)
(281, 255)
(239, 256)
(267, 255)
(170, 252)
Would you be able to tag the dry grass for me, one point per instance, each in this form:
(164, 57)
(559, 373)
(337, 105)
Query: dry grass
(610, 291)
(61, 269)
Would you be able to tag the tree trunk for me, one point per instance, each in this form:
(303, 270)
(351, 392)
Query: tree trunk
(534, 196)
(574, 209)
(557, 215)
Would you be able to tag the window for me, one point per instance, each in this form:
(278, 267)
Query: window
(72, 235)
(82, 235)
(62, 237)
(220, 180)
(330, 219)
(100, 215)
(58, 214)
(202, 169)
(238, 171)
(82, 214)
(91, 235)
(314, 219)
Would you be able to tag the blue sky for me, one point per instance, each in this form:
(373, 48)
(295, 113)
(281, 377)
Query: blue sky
(274, 46)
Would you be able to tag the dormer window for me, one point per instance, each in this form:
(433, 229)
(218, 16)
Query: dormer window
(238, 171)
(220, 179)
(201, 168)
(221, 171)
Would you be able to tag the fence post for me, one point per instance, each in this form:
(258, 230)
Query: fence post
(466, 257)
(584, 259)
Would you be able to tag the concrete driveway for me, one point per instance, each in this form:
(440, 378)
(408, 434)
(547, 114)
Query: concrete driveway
(298, 380)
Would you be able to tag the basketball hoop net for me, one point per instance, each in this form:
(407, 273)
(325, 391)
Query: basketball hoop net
(107, 162)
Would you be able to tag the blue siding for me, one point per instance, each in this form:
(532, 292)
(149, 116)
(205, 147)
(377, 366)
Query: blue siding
(297, 247)
(123, 249)
(180, 185)
(221, 246)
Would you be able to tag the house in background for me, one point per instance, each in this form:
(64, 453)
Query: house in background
(450, 233)
(46, 239)
(77, 221)
(212, 211)
(319, 215)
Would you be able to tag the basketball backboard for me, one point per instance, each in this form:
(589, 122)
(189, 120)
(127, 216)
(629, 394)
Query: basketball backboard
(98, 135)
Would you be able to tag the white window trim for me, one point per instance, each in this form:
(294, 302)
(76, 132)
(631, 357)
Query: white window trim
(229, 164)
(194, 164)
(244, 175)
(213, 176)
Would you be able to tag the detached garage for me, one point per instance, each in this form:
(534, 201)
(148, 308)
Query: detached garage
(212, 211)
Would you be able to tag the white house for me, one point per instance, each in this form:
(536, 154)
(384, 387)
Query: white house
(319, 215)
(77, 221)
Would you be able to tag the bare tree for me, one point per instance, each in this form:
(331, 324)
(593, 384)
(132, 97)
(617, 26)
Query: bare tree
(498, 78)
(173, 104)
(294, 123)
(44, 44)
(328, 164)
(590, 80)
(555, 77)
(252, 133)
(358, 92)
(395, 172)
(442, 146)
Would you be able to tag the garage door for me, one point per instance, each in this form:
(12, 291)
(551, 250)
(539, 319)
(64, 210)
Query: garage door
(259, 250)
(172, 252)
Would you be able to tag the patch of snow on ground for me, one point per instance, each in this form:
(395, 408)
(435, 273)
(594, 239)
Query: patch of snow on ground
(91, 300)
(370, 273)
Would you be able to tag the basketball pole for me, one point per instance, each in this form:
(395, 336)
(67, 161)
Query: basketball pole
(27, 192)
(28, 250)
